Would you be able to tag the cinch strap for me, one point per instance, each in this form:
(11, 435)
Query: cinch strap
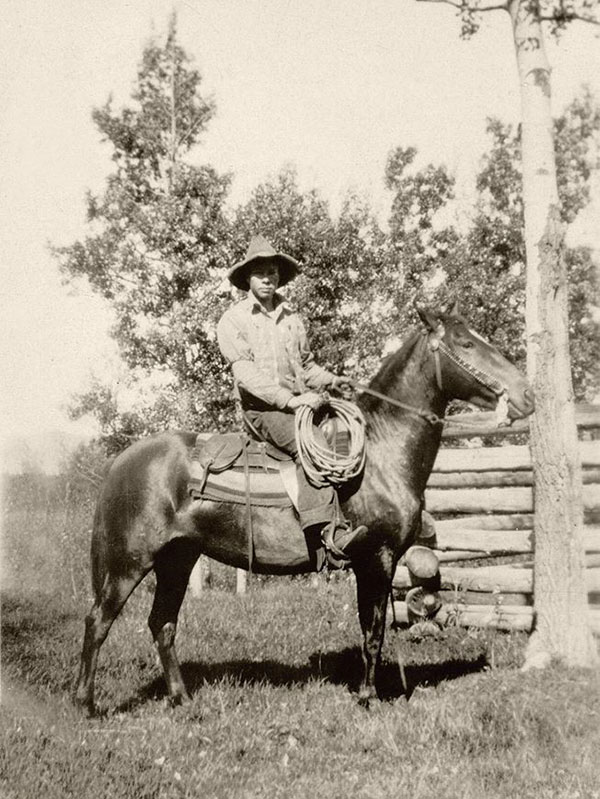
(248, 510)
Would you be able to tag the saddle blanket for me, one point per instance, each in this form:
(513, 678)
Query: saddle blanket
(218, 472)
(267, 488)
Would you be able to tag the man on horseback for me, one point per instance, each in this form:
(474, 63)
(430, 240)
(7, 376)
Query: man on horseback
(275, 373)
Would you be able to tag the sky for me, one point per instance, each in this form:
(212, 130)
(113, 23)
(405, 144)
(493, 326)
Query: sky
(330, 87)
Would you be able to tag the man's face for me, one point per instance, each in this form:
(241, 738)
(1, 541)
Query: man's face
(263, 279)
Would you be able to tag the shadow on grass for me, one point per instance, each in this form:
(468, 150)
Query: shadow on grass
(340, 668)
(36, 616)
(36, 634)
(346, 668)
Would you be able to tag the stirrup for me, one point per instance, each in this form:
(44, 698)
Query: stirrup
(327, 539)
(328, 535)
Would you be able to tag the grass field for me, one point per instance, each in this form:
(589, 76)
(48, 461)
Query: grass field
(273, 677)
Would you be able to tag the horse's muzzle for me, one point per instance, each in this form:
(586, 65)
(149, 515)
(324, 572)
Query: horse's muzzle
(524, 407)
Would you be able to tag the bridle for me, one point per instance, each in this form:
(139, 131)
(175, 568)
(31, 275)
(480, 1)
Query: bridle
(435, 346)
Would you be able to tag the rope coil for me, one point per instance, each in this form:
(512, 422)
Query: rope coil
(321, 465)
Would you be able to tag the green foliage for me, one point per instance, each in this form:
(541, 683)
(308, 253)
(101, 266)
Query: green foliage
(156, 245)
(487, 272)
(584, 330)
(343, 261)
(421, 245)
(577, 150)
(161, 238)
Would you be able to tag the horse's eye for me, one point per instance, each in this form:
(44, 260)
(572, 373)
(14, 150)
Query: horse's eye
(467, 345)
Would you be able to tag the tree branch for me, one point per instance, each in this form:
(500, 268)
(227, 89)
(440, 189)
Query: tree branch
(474, 9)
(118, 276)
(446, 2)
(189, 132)
(570, 17)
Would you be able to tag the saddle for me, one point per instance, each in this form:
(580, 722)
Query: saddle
(231, 467)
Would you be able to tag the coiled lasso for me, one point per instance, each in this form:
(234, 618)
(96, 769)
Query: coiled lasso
(321, 465)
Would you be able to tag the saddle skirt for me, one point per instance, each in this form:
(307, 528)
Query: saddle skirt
(226, 465)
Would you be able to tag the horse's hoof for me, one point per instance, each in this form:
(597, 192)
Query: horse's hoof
(88, 709)
(84, 704)
(175, 700)
(365, 699)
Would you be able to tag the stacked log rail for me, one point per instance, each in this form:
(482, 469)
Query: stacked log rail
(482, 501)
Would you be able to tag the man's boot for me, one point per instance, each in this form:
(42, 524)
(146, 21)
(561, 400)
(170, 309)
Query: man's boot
(336, 537)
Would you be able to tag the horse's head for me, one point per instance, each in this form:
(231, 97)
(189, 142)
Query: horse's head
(472, 369)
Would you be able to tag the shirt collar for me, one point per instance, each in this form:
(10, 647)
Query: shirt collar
(281, 305)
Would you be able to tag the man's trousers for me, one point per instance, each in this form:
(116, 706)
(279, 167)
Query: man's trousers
(315, 505)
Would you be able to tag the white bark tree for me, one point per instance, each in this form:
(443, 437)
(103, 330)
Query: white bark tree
(560, 600)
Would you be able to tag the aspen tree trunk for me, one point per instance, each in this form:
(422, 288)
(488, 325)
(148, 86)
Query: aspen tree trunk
(560, 596)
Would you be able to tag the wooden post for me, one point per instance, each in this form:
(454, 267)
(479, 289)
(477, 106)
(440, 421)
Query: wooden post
(241, 581)
(200, 578)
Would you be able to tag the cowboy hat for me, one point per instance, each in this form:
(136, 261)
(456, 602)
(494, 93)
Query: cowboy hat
(260, 248)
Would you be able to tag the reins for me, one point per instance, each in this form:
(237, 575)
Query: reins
(429, 416)
(323, 466)
(436, 346)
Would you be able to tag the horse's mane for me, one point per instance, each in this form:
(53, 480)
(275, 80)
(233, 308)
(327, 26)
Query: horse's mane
(391, 366)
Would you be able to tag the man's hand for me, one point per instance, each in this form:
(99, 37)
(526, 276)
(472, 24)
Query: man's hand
(310, 398)
(340, 382)
(343, 385)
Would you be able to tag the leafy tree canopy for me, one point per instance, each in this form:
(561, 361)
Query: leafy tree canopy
(493, 253)
(158, 233)
(161, 238)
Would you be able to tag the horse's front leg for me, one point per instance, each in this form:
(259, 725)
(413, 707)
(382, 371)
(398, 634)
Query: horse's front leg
(374, 582)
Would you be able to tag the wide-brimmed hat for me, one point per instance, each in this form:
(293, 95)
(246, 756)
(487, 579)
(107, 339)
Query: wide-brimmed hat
(260, 248)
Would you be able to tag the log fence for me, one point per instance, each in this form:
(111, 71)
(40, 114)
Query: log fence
(482, 501)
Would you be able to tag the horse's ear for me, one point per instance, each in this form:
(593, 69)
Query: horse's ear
(431, 320)
(453, 309)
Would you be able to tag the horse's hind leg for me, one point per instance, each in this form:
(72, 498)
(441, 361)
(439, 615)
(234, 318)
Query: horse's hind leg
(173, 566)
(114, 594)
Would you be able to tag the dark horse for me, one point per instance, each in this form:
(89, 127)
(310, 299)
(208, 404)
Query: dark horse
(145, 520)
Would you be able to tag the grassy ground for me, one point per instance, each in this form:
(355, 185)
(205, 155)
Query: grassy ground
(274, 713)
(273, 678)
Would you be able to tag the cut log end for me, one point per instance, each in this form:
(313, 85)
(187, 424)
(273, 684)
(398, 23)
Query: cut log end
(422, 563)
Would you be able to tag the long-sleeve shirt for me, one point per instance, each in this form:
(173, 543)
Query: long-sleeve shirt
(269, 353)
